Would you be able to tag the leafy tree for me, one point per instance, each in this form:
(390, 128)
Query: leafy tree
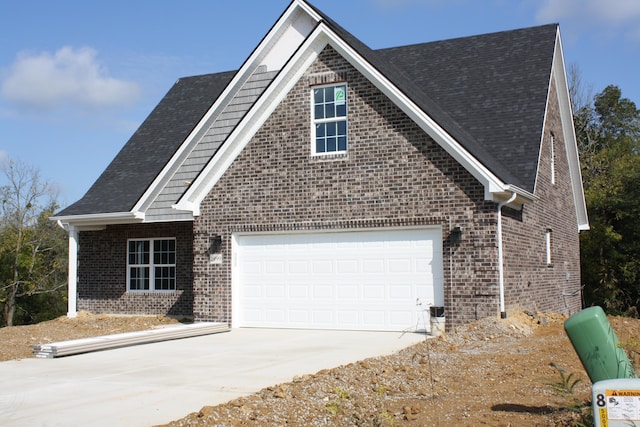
(608, 133)
(32, 250)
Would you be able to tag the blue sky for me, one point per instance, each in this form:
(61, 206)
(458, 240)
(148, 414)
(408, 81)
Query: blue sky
(78, 77)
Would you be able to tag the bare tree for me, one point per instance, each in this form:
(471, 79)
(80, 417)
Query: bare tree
(584, 115)
(29, 244)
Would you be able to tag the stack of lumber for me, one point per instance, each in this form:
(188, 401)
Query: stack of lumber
(86, 345)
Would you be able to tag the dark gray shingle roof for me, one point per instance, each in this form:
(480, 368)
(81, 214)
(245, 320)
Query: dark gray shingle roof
(150, 148)
(495, 87)
(489, 92)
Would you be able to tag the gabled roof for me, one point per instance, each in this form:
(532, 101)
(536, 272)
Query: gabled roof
(151, 146)
(483, 98)
(441, 76)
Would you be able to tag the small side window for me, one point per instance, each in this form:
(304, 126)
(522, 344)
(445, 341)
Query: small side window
(548, 242)
(553, 159)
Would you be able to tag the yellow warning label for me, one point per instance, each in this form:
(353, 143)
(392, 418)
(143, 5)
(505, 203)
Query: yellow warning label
(603, 418)
(623, 393)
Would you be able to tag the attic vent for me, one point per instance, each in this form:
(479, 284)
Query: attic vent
(327, 77)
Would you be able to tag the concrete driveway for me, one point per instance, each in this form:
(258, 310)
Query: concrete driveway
(157, 383)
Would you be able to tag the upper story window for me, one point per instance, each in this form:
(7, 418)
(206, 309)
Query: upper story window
(329, 119)
(151, 265)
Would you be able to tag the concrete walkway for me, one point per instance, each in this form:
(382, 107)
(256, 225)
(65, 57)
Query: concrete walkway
(156, 383)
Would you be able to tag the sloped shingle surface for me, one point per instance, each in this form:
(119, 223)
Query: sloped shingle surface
(495, 86)
(489, 92)
(151, 146)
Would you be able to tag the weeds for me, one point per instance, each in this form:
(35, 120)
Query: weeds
(566, 385)
(632, 349)
(334, 407)
(388, 418)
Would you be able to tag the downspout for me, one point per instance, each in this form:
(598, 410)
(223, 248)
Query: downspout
(503, 313)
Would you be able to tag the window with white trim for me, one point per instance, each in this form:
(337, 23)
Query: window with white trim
(553, 159)
(151, 264)
(329, 114)
(548, 245)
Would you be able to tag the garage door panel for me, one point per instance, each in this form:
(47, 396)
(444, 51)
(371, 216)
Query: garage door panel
(400, 265)
(401, 319)
(275, 316)
(400, 292)
(275, 292)
(349, 318)
(373, 266)
(322, 266)
(322, 292)
(323, 318)
(368, 280)
(300, 317)
(253, 291)
(298, 267)
(298, 291)
(372, 293)
(347, 266)
(274, 267)
(349, 293)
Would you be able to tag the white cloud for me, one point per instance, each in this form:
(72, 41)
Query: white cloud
(621, 16)
(4, 157)
(69, 77)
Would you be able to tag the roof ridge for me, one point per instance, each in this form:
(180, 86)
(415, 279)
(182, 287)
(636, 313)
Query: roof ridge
(479, 35)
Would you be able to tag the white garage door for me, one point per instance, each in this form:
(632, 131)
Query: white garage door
(357, 280)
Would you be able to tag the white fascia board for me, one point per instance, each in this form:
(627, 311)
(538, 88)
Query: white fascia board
(251, 123)
(569, 134)
(269, 42)
(307, 9)
(283, 83)
(98, 221)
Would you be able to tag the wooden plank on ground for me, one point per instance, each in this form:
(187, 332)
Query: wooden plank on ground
(105, 342)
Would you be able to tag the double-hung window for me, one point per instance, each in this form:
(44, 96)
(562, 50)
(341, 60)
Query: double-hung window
(330, 119)
(151, 265)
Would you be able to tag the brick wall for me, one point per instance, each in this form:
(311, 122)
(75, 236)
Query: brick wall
(529, 280)
(394, 175)
(102, 271)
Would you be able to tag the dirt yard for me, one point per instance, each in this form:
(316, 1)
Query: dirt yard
(514, 372)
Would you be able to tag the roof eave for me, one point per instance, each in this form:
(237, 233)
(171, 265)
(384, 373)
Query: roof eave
(568, 130)
(99, 221)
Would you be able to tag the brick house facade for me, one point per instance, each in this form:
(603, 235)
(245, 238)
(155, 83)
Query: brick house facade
(398, 173)
(102, 267)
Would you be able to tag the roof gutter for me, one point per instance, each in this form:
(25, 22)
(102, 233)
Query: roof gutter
(503, 313)
(98, 221)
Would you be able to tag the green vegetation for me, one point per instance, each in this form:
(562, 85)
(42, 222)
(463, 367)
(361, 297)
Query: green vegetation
(608, 134)
(33, 250)
(566, 384)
